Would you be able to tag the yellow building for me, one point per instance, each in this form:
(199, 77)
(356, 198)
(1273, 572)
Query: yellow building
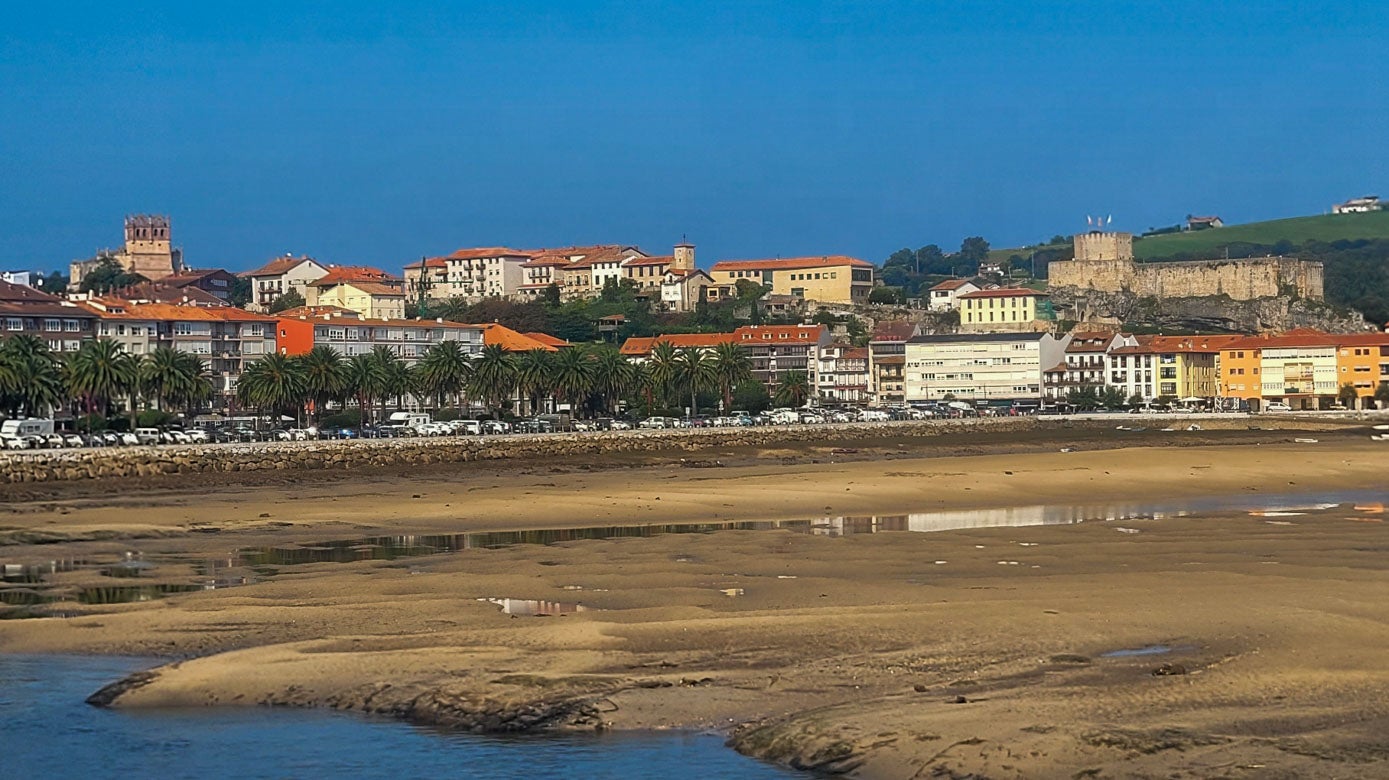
(829, 279)
(370, 292)
(1002, 309)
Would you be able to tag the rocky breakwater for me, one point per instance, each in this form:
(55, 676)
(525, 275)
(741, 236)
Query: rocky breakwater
(89, 464)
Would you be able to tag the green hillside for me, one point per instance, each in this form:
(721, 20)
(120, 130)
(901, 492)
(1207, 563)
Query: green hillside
(1296, 231)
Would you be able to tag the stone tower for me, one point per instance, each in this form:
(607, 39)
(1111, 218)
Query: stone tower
(683, 258)
(1100, 246)
(149, 249)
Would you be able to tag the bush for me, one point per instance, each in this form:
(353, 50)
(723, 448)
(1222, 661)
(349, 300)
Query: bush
(91, 422)
(153, 418)
(448, 415)
(351, 418)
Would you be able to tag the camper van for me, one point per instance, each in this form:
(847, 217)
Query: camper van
(15, 429)
(408, 419)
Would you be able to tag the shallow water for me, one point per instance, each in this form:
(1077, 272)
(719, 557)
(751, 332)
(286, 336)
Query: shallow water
(27, 588)
(49, 731)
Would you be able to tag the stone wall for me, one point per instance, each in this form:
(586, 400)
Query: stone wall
(66, 465)
(1241, 280)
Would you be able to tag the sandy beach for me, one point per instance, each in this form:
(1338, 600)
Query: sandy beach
(979, 652)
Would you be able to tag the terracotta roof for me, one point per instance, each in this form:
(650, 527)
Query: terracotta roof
(790, 263)
(554, 261)
(352, 273)
(953, 284)
(376, 288)
(896, 330)
(54, 308)
(280, 265)
(855, 353)
(780, 334)
(318, 311)
(485, 252)
(21, 293)
(158, 292)
(1153, 345)
(116, 308)
(1005, 292)
(1310, 338)
(429, 262)
(643, 346)
(1090, 342)
(509, 340)
(659, 260)
(545, 338)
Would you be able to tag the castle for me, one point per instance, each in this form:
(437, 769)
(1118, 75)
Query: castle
(1104, 262)
(148, 251)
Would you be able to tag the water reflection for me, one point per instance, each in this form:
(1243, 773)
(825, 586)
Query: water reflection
(537, 607)
(31, 585)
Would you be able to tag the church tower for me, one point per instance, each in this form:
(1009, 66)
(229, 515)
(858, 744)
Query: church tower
(683, 258)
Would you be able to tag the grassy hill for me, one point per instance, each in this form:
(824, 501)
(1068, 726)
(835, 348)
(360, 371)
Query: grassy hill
(1298, 230)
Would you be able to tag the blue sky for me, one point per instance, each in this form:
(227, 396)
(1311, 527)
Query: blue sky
(379, 132)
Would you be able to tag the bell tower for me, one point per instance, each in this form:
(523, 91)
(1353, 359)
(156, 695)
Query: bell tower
(683, 258)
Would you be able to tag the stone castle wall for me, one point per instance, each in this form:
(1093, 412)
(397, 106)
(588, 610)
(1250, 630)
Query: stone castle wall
(1242, 280)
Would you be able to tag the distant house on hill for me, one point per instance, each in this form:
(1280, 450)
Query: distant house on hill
(1203, 223)
(1358, 205)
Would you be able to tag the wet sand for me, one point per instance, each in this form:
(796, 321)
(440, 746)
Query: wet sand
(962, 653)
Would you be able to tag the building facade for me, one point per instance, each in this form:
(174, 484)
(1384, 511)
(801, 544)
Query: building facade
(828, 279)
(842, 375)
(281, 276)
(981, 368)
(62, 325)
(946, 295)
(1003, 309)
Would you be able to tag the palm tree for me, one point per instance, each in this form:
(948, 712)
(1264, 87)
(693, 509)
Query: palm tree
(199, 388)
(31, 377)
(695, 372)
(662, 369)
(494, 376)
(793, 389)
(164, 376)
(732, 365)
(99, 372)
(365, 379)
(274, 383)
(325, 377)
(573, 377)
(534, 372)
(613, 376)
(397, 379)
(444, 371)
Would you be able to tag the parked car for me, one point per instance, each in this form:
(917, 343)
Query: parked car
(1277, 406)
(197, 436)
(496, 427)
(73, 440)
(147, 435)
(8, 442)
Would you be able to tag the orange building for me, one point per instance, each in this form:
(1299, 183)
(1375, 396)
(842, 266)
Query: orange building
(1305, 368)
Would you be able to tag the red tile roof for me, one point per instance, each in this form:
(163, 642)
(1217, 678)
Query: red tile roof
(485, 252)
(21, 293)
(790, 263)
(1153, 345)
(545, 338)
(659, 260)
(353, 273)
(643, 346)
(897, 330)
(781, 334)
(279, 266)
(953, 284)
(429, 262)
(1005, 292)
(510, 340)
(376, 288)
(1310, 338)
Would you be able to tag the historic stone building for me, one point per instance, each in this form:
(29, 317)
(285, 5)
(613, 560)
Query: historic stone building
(148, 251)
(1104, 262)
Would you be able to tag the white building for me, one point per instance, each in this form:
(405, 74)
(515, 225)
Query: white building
(280, 276)
(1358, 205)
(21, 278)
(946, 295)
(980, 368)
(490, 272)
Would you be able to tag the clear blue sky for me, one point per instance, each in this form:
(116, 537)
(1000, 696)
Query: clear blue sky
(378, 132)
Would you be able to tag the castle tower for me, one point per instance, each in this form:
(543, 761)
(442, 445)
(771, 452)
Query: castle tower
(1101, 246)
(683, 258)
(149, 249)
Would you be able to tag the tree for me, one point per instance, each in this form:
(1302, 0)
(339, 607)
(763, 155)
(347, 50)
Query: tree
(1112, 398)
(1347, 395)
(931, 260)
(169, 377)
(751, 396)
(55, 283)
(325, 377)
(364, 380)
(695, 372)
(887, 295)
(108, 274)
(661, 372)
(241, 292)
(274, 383)
(550, 296)
(494, 376)
(534, 371)
(286, 301)
(31, 377)
(396, 379)
(974, 250)
(614, 376)
(1135, 400)
(793, 389)
(1382, 395)
(731, 366)
(1085, 398)
(101, 371)
(573, 376)
(444, 371)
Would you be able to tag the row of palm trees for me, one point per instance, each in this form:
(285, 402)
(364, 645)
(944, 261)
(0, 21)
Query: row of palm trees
(34, 380)
(594, 379)
(101, 377)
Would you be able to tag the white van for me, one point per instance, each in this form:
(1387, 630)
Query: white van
(148, 435)
(408, 419)
(30, 427)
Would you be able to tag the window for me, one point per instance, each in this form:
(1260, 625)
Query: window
(70, 326)
(52, 324)
(14, 323)
(183, 329)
